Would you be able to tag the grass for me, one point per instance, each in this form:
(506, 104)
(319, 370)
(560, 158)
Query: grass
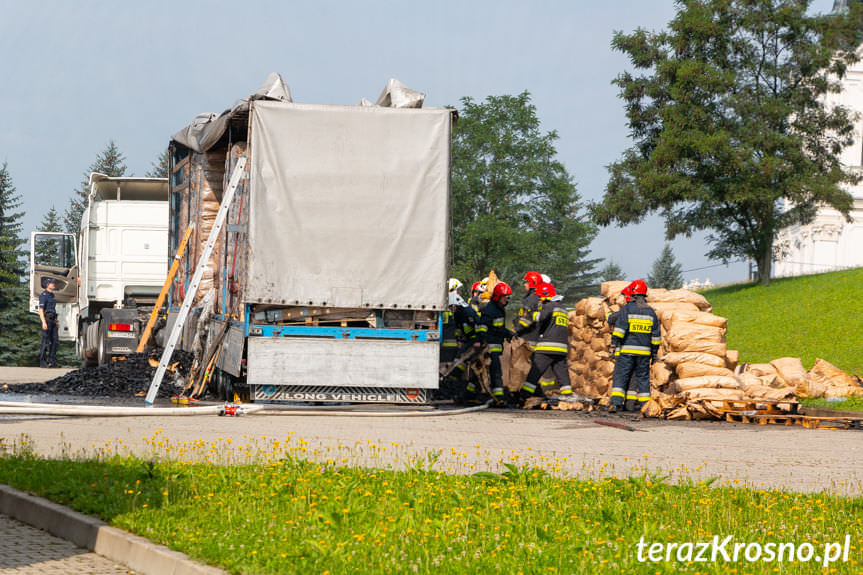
(284, 514)
(848, 404)
(806, 317)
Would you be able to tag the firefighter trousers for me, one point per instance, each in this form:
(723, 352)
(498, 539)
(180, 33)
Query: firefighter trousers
(540, 364)
(495, 375)
(624, 367)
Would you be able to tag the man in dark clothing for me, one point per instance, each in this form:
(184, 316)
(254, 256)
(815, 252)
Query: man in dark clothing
(636, 337)
(552, 323)
(50, 325)
(492, 331)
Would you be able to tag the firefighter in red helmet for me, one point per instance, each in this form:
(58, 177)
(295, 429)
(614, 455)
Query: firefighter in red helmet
(476, 291)
(492, 331)
(631, 403)
(552, 324)
(636, 339)
(529, 305)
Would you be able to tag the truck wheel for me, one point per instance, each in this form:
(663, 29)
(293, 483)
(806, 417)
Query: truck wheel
(102, 356)
(82, 347)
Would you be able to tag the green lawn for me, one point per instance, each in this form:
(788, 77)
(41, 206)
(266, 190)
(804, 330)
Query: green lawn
(806, 317)
(293, 516)
(849, 404)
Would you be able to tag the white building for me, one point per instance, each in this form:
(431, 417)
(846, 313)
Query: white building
(830, 242)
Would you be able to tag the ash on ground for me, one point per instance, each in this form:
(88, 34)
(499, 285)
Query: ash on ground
(121, 378)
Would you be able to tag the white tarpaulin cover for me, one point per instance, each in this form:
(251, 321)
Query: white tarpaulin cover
(349, 206)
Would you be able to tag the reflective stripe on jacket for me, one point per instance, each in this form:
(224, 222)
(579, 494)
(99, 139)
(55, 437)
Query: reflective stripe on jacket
(553, 324)
(636, 331)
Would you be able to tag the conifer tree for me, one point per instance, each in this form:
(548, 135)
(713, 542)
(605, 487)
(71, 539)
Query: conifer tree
(159, 168)
(11, 245)
(666, 272)
(19, 330)
(111, 163)
(612, 272)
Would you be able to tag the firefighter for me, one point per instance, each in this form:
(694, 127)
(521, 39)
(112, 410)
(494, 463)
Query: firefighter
(529, 305)
(492, 332)
(476, 291)
(631, 403)
(465, 319)
(524, 318)
(448, 338)
(454, 285)
(552, 322)
(635, 339)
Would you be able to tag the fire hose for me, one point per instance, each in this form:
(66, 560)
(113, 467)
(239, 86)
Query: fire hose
(65, 409)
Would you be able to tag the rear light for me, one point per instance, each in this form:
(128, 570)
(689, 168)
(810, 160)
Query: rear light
(120, 327)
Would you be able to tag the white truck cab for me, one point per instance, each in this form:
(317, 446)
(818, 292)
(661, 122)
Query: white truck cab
(109, 275)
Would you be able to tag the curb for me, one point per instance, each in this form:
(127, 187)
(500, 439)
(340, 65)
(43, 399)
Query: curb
(135, 552)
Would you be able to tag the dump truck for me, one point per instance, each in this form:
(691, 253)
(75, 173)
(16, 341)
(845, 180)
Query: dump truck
(327, 281)
(108, 275)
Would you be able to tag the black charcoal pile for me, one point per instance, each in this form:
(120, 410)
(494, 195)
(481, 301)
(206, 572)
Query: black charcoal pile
(121, 378)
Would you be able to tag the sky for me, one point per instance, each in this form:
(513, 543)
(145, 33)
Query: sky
(75, 75)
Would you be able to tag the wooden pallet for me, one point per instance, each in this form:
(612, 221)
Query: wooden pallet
(761, 406)
(818, 422)
(759, 418)
(791, 419)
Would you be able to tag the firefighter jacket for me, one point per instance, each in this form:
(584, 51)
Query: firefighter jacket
(465, 319)
(636, 331)
(448, 337)
(524, 321)
(491, 328)
(478, 304)
(552, 323)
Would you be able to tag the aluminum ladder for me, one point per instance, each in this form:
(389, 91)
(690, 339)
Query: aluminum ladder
(183, 314)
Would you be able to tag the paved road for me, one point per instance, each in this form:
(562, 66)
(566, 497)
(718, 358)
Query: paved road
(567, 442)
(25, 550)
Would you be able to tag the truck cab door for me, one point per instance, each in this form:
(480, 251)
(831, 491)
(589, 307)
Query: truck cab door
(53, 256)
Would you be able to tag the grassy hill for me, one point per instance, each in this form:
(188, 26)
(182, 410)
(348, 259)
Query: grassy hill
(805, 317)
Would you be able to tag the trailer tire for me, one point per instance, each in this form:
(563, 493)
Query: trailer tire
(81, 342)
(102, 356)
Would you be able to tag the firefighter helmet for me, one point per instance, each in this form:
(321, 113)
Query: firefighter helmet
(500, 289)
(627, 292)
(546, 291)
(545, 278)
(532, 279)
(477, 286)
(638, 287)
(454, 284)
(455, 299)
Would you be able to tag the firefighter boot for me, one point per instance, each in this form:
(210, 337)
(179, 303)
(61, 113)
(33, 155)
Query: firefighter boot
(630, 405)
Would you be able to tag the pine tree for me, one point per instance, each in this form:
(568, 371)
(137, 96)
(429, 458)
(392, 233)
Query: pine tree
(46, 252)
(666, 272)
(111, 163)
(612, 272)
(19, 330)
(159, 168)
(11, 251)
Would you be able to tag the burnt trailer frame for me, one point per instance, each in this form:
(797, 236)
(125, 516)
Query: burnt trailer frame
(368, 350)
